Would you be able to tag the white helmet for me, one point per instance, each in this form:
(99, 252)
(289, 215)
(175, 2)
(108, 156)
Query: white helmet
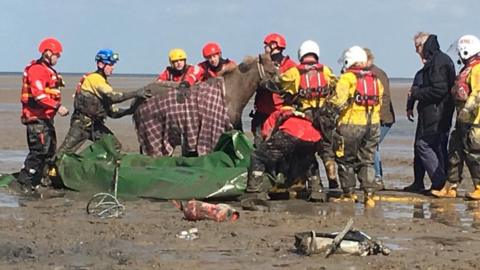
(308, 46)
(353, 55)
(468, 46)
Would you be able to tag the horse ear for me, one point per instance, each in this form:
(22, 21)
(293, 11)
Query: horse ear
(260, 60)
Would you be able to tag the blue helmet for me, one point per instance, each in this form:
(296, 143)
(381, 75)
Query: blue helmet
(107, 56)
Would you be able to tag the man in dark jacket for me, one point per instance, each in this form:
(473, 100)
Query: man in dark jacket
(387, 115)
(435, 108)
(418, 168)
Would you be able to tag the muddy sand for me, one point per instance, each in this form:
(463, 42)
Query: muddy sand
(56, 233)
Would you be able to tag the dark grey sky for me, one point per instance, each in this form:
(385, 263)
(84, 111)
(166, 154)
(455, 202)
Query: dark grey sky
(144, 31)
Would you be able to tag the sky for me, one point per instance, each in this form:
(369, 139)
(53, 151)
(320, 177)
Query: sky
(143, 32)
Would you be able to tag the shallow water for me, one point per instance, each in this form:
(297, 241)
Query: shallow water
(8, 200)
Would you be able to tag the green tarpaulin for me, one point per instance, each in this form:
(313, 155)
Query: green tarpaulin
(222, 173)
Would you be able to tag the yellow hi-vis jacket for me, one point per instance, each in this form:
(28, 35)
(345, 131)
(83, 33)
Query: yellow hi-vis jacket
(350, 112)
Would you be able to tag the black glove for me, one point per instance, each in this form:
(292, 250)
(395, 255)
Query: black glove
(288, 99)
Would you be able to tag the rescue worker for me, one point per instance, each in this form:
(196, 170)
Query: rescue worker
(464, 144)
(179, 71)
(266, 101)
(41, 101)
(285, 131)
(93, 102)
(214, 64)
(317, 82)
(357, 99)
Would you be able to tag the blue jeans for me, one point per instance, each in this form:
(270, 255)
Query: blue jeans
(378, 162)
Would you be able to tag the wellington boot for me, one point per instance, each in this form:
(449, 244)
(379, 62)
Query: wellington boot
(368, 200)
(448, 191)
(475, 195)
(346, 197)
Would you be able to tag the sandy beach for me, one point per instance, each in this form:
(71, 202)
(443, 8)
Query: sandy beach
(56, 233)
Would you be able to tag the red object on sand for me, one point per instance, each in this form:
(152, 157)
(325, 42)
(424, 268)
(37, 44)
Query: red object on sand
(197, 210)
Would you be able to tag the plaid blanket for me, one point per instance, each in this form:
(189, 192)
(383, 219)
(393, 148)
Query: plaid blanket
(162, 122)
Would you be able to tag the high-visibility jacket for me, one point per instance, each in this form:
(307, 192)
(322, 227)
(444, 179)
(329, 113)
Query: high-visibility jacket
(169, 74)
(95, 96)
(469, 77)
(267, 102)
(291, 122)
(206, 71)
(355, 107)
(40, 96)
(316, 82)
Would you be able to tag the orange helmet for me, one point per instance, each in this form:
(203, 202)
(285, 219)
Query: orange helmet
(210, 49)
(51, 44)
(277, 38)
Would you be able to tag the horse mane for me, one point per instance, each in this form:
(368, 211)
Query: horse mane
(247, 63)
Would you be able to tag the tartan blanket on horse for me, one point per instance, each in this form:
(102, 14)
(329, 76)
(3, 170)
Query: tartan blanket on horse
(164, 121)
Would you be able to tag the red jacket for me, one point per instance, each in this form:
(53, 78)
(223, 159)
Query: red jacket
(205, 70)
(294, 125)
(267, 102)
(40, 95)
(170, 75)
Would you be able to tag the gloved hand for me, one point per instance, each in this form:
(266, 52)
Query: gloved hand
(464, 115)
(143, 93)
(288, 99)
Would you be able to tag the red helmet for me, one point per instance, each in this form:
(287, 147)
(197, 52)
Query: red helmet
(210, 49)
(277, 38)
(51, 44)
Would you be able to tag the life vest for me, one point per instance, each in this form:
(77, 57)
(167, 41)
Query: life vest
(50, 89)
(366, 93)
(39, 101)
(312, 81)
(461, 90)
(80, 83)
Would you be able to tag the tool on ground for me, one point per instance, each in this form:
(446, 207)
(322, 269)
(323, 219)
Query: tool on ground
(106, 205)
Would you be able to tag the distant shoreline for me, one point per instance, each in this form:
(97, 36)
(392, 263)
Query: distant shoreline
(400, 80)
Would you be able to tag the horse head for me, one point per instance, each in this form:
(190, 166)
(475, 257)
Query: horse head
(241, 83)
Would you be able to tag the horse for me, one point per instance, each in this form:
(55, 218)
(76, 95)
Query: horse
(159, 130)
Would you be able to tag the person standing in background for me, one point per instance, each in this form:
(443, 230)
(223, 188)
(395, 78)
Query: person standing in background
(435, 108)
(387, 115)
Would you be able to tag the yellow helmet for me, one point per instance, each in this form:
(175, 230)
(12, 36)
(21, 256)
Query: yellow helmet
(177, 54)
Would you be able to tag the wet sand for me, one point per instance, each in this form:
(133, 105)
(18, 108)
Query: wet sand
(56, 233)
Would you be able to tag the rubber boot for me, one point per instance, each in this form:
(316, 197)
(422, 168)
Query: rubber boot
(368, 200)
(448, 191)
(331, 174)
(475, 195)
(256, 193)
(315, 189)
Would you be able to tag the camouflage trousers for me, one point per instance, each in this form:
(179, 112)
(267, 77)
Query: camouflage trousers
(464, 148)
(278, 149)
(355, 147)
(42, 142)
(82, 128)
